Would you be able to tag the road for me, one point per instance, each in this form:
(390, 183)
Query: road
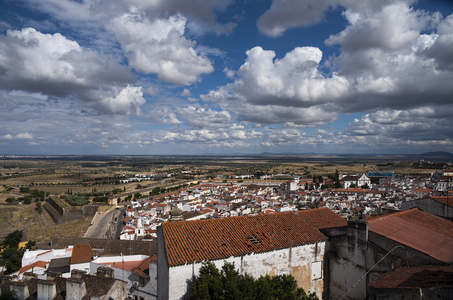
(119, 223)
(113, 220)
(101, 224)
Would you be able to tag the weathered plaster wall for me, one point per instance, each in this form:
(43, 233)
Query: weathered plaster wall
(295, 261)
(351, 256)
(118, 291)
(347, 262)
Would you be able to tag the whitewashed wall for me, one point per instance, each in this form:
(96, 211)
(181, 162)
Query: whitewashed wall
(295, 261)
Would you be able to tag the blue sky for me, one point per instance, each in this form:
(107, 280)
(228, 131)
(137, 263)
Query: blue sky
(157, 77)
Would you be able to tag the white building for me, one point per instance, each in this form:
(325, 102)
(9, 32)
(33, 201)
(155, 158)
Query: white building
(356, 180)
(291, 244)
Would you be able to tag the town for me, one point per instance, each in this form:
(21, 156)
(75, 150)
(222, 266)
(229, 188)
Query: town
(240, 196)
(340, 235)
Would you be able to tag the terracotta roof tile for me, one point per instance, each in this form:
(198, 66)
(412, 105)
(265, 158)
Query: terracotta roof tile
(323, 218)
(142, 269)
(444, 200)
(415, 278)
(44, 253)
(419, 230)
(122, 265)
(81, 253)
(195, 241)
(37, 264)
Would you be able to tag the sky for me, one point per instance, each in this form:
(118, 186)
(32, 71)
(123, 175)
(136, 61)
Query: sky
(199, 77)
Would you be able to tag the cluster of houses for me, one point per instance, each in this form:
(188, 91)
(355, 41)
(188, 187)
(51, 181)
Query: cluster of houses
(384, 242)
(83, 268)
(402, 255)
(220, 199)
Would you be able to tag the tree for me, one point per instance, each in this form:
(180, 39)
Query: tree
(39, 207)
(116, 191)
(25, 190)
(13, 259)
(13, 239)
(208, 285)
(11, 254)
(38, 195)
(229, 284)
(27, 199)
(156, 191)
(30, 245)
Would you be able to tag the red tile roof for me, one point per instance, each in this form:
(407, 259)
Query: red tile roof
(422, 190)
(322, 218)
(195, 241)
(350, 190)
(444, 200)
(81, 253)
(123, 265)
(142, 269)
(415, 278)
(419, 230)
(37, 264)
(44, 253)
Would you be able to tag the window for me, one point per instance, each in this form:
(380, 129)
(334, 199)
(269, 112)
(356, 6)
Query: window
(141, 281)
(316, 270)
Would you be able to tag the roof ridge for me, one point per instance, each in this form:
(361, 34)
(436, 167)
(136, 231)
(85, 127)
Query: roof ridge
(142, 263)
(396, 214)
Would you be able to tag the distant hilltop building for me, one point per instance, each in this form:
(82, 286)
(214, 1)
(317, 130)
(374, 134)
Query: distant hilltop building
(355, 181)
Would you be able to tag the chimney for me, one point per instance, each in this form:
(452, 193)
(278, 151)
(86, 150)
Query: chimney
(20, 288)
(105, 272)
(46, 290)
(28, 275)
(51, 275)
(75, 289)
(77, 274)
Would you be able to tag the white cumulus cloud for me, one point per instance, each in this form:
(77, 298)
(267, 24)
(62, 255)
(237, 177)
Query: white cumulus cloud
(127, 101)
(51, 64)
(158, 46)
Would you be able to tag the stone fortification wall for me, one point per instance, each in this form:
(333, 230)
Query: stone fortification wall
(60, 215)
